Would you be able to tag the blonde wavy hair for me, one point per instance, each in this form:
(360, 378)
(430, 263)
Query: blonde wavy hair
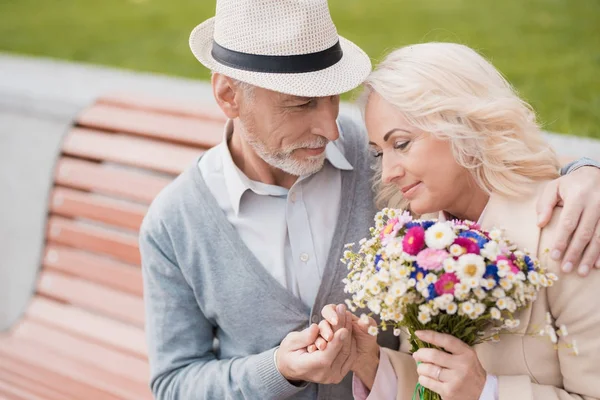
(455, 94)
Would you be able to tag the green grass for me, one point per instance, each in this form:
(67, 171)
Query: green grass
(549, 49)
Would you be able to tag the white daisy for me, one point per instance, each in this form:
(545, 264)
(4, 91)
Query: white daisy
(431, 278)
(424, 317)
(397, 332)
(479, 309)
(490, 250)
(457, 250)
(374, 306)
(506, 284)
(467, 307)
(452, 308)
(449, 264)
(470, 266)
(498, 293)
(439, 236)
(502, 303)
(373, 331)
(398, 289)
(495, 313)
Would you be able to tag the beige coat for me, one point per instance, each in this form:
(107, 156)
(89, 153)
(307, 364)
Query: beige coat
(529, 366)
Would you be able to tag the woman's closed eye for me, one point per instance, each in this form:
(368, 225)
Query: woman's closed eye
(401, 145)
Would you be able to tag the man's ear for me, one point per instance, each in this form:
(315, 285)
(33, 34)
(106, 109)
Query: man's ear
(225, 94)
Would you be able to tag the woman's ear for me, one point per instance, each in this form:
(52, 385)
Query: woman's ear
(224, 91)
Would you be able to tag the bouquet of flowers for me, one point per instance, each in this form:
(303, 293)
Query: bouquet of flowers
(450, 277)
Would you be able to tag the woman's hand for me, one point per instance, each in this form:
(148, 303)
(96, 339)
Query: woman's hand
(455, 374)
(367, 350)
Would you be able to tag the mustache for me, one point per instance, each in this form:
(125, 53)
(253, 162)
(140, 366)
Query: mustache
(316, 143)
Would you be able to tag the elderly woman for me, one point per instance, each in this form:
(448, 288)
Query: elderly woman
(453, 139)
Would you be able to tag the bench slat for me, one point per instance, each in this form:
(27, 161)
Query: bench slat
(171, 128)
(99, 329)
(93, 297)
(74, 203)
(38, 356)
(201, 109)
(119, 245)
(81, 350)
(87, 266)
(16, 392)
(129, 150)
(49, 378)
(98, 178)
(41, 391)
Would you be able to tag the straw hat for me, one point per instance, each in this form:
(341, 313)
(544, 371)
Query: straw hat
(289, 46)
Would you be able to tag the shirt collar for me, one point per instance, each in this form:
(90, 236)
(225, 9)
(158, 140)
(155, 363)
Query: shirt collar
(238, 183)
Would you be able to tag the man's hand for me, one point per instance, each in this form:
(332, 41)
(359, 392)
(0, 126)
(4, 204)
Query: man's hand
(579, 225)
(329, 366)
(367, 350)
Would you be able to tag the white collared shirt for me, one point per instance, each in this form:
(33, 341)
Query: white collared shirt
(289, 231)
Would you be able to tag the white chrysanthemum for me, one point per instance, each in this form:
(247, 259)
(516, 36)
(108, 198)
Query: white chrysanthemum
(498, 293)
(552, 276)
(374, 305)
(533, 277)
(502, 303)
(452, 308)
(397, 332)
(495, 234)
(397, 316)
(431, 278)
(425, 293)
(412, 282)
(467, 307)
(457, 250)
(473, 283)
(480, 293)
(383, 276)
(495, 313)
(424, 317)
(479, 309)
(490, 250)
(422, 285)
(511, 305)
(364, 319)
(398, 289)
(389, 299)
(506, 284)
(403, 272)
(543, 280)
(512, 323)
(394, 247)
(470, 266)
(439, 235)
(373, 331)
(489, 284)
(425, 308)
(449, 265)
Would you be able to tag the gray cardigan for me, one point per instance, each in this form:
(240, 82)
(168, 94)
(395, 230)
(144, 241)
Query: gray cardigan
(214, 315)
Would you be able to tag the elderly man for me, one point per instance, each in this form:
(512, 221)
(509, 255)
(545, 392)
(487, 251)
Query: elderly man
(254, 231)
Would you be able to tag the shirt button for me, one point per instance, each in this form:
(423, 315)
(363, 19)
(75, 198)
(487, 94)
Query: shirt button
(304, 257)
(315, 319)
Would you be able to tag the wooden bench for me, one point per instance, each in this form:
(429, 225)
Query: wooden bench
(81, 336)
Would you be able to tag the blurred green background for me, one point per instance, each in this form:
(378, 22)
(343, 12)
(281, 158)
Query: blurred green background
(549, 49)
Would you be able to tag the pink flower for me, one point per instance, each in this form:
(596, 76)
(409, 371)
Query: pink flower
(513, 267)
(390, 229)
(432, 259)
(445, 283)
(470, 246)
(413, 241)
